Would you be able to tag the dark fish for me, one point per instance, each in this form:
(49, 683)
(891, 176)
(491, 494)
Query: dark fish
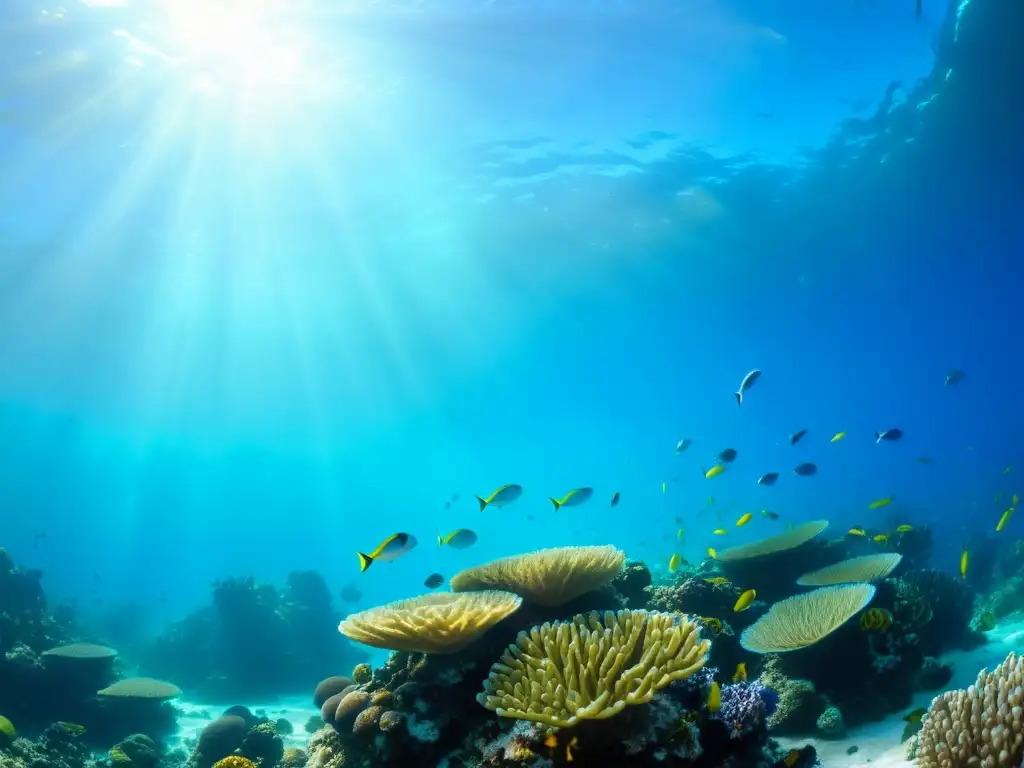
(455, 497)
(915, 716)
(852, 750)
(768, 479)
(795, 437)
(806, 469)
(615, 498)
(433, 581)
(728, 455)
(917, 10)
(351, 594)
(888, 434)
(954, 377)
(447, 505)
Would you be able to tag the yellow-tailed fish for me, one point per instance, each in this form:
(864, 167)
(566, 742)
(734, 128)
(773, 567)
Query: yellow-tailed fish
(837, 437)
(963, 564)
(717, 580)
(720, 532)
(711, 553)
(875, 620)
(746, 518)
(904, 528)
(675, 561)
(740, 675)
(856, 532)
(715, 471)
(745, 600)
(714, 698)
(679, 535)
(770, 515)
(881, 538)
(987, 621)
(460, 538)
(915, 716)
(879, 503)
(1004, 519)
(504, 495)
(573, 498)
(390, 549)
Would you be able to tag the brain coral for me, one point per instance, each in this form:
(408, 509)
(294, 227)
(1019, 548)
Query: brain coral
(803, 620)
(436, 623)
(234, 761)
(857, 569)
(329, 687)
(781, 542)
(593, 666)
(548, 576)
(977, 727)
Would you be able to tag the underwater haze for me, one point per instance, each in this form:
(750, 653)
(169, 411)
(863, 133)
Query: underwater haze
(280, 280)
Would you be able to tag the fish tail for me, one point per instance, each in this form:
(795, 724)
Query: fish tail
(365, 561)
(739, 398)
(556, 502)
(440, 541)
(483, 503)
(878, 436)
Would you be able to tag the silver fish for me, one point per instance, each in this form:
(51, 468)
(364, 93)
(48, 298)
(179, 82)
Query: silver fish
(748, 381)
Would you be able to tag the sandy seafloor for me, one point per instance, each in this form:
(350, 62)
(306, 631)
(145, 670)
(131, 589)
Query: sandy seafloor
(878, 744)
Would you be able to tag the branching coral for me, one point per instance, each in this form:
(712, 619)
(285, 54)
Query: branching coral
(980, 726)
(593, 666)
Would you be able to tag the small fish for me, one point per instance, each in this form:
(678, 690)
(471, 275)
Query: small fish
(875, 620)
(879, 503)
(792, 758)
(433, 581)
(837, 437)
(679, 534)
(888, 434)
(675, 561)
(852, 750)
(683, 444)
(551, 741)
(904, 528)
(915, 716)
(569, 747)
(460, 538)
(740, 675)
(987, 621)
(856, 532)
(1004, 519)
(711, 501)
(714, 698)
(909, 730)
(1008, 469)
(715, 471)
(923, 460)
(963, 564)
(746, 518)
(768, 478)
(881, 538)
(448, 504)
(720, 532)
(748, 381)
(350, 593)
(769, 515)
(390, 549)
(664, 487)
(573, 498)
(795, 437)
(954, 377)
(615, 498)
(504, 495)
(745, 600)
(716, 580)
(806, 469)
(728, 455)
(1014, 500)
(918, 9)
(711, 553)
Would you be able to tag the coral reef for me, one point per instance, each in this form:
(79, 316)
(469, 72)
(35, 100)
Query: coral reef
(238, 739)
(61, 745)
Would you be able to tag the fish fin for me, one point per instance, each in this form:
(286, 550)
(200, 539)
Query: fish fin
(365, 561)
(440, 541)
(556, 502)
(483, 503)
(739, 398)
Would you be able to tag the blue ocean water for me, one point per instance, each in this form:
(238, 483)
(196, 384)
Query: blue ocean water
(277, 280)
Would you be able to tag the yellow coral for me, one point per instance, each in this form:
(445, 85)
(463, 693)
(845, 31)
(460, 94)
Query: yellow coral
(436, 623)
(119, 758)
(980, 726)
(857, 569)
(593, 666)
(803, 620)
(770, 545)
(235, 761)
(362, 673)
(548, 576)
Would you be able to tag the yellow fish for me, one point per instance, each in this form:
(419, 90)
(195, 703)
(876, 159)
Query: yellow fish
(715, 471)
(837, 437)
(740, 675)
(390, 549)
(744, 520)
(963, 564)
(879, 503)
(711, 553)
(875, 620)
(664, 487)
(568, 748)
(675, 561)
(745, 600)
(881, 538)
(1014, 500)
(856, 532)
(720, 532)
(711, 500)
(716, 580)
(1004, 519)
(551, 741)
(987, 621)
(904, 528)
(714, 698)
(679, 535)
(573, 498)
(506, 494)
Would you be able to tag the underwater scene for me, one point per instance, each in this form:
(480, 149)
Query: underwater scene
(511, 383)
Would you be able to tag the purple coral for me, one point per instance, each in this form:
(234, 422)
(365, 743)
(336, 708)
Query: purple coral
(745, 707)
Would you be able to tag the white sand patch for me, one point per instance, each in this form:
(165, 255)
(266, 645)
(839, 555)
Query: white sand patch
(878, 744)
(193, 717)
